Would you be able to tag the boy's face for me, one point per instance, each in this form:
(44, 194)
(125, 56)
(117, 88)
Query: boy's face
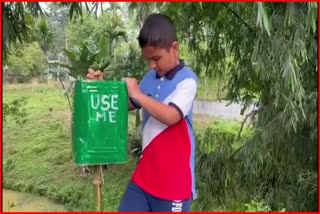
(161, 59)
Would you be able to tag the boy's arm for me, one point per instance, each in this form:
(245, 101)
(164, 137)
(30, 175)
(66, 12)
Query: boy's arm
(169, 114)
(132, 104)
(164, 113)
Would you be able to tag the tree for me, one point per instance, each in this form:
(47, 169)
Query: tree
(268, 54)
(58, 19)
(114, 31)
(17, 19)
(77, 33)
(143, 10)
(26, 61)
(114, 8)
(44, 35)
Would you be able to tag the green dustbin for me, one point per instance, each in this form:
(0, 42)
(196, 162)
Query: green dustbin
(100, 122)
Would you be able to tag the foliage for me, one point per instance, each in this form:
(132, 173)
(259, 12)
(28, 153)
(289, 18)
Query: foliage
(143, 10)
(216, 148)
(268, 54)
(86, 56)
(77, 33)
(76, 10)
(58, 19)
(255, 206)
(17, 19)
(109, 25)
(112, 27)
(211, 89)
(26, 60)
(16, 109)
(108, 28)
(130, 63)
(44, 35)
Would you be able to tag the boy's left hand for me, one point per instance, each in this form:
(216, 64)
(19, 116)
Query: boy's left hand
(133, 87)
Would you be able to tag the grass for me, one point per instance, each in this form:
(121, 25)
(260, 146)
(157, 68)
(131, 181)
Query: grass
(37, 156)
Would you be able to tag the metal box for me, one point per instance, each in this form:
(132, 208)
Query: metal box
(100, 122)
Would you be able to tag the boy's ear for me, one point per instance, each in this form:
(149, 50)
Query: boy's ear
(175, 46)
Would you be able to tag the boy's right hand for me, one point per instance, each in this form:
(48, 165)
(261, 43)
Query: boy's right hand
(94, 75)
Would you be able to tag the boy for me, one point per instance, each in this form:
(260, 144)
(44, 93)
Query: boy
(164, 177)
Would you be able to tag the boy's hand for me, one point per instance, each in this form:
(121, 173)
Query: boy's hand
(133, 87)
(94, 75)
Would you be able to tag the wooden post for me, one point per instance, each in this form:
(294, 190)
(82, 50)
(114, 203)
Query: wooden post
(97, 181)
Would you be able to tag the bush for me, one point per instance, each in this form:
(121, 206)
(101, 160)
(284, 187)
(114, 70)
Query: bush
(216, 163)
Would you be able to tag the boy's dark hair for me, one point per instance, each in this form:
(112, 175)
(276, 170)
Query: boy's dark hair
(157, 31)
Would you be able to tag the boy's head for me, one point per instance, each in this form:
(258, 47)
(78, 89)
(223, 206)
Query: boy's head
(158, 41)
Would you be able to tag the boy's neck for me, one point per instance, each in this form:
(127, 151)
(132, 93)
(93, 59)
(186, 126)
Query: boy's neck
(177, 62)
(171, 73)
